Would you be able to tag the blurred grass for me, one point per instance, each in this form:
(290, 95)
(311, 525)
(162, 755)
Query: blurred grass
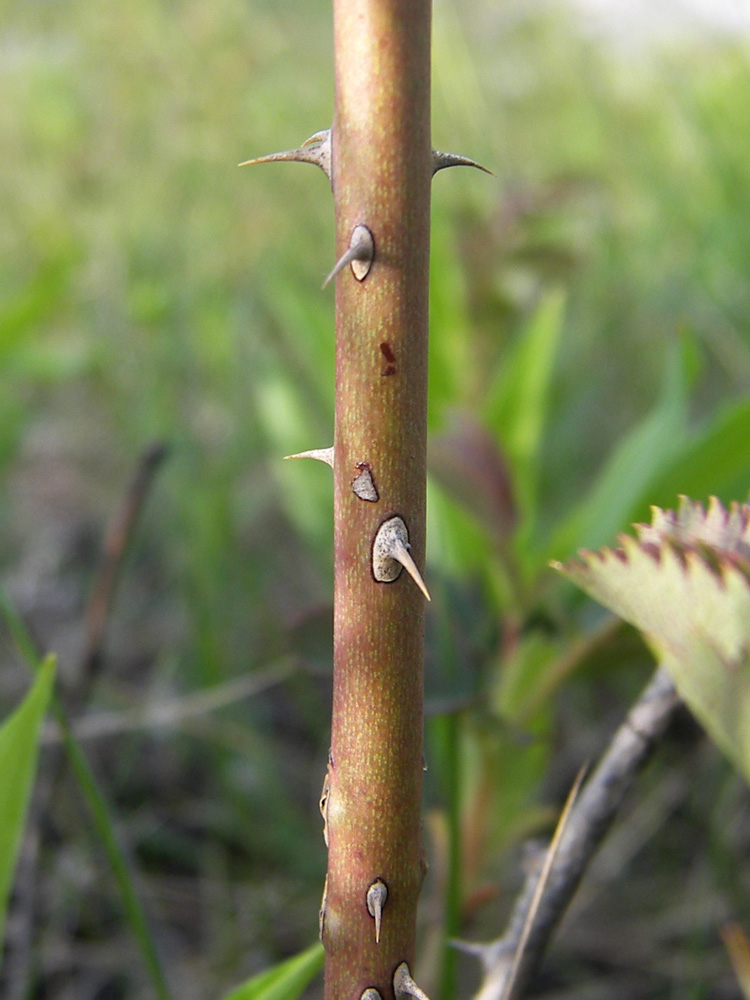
(151, 290)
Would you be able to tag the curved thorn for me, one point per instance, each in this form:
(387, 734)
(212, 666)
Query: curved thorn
(359, 254)
(442, 160)
(404, 986)
(401, 554)
(316, 150)
(321, 454)
(318, 137)
(377, 895)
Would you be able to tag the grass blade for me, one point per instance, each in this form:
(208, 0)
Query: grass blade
(284, 981)
(99, 811)
(19, 747)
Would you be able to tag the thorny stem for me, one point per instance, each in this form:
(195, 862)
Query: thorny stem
(382, 167)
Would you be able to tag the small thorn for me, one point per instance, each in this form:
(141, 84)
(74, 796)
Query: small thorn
(322, 911)
(404, 986)
(371, 994)
(320, 454)
(377, 895)
(316, 149)
(323, 803)
(390, 552)
(442, 160)
(318, 137)
(359, 254)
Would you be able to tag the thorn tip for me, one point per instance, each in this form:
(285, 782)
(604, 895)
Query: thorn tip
(442, 160)
(402, 555)
(316, 149)
(320, 454)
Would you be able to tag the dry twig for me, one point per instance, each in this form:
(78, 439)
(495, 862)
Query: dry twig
(590, 819)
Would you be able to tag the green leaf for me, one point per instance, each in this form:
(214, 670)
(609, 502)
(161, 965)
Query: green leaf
(517, 409)
(717, 461)
(18, 756)
(628, 476)
(685, 583)
(284, 981)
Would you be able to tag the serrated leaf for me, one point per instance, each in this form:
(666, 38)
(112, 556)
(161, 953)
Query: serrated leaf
(685, 583)
(18, 755)
(284, 981)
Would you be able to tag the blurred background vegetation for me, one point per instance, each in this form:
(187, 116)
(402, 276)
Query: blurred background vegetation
(590, 355)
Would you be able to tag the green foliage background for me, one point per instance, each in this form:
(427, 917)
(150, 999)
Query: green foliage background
(590, 355)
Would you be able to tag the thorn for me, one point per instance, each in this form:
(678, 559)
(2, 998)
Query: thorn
(316, 149)
(359, 254)
(318, 137)
(322, 911)
(371, 994)
(390, 552)
(442, 160)
(467, 947)
(404, 986)
(377, 895)
(321, 454)
(323, 803)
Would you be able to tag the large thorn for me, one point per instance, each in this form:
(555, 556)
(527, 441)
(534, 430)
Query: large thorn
(404, 987)
(316, 149)
(390, 553)
(442, 160)
(359, 254)
(321, 454)
(377, 895)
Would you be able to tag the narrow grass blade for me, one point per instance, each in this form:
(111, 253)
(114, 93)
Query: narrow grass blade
(99, 810)
(105, 830)
(19, 747)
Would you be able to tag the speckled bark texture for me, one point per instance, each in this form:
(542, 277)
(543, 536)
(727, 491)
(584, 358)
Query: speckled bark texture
(382, 167)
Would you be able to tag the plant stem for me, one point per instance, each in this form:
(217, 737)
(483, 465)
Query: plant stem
(381, 177)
